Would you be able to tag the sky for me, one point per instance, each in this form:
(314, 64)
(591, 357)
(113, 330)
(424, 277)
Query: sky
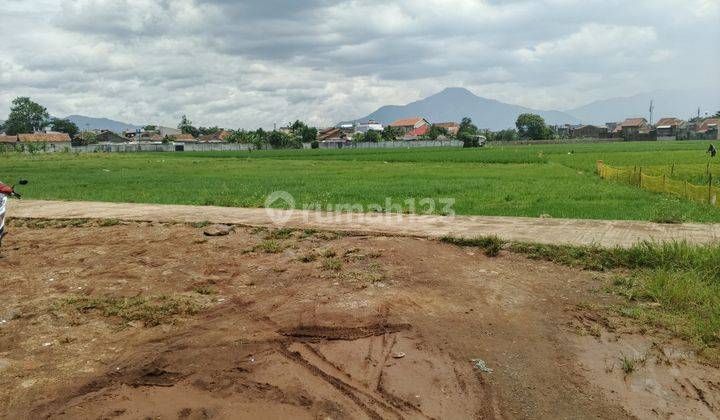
(246, 64)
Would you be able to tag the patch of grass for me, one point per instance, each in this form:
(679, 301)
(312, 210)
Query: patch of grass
(673, 285)
(283, 233)
(307, 258)
(307, 233)
(108, 222)
(670, 255)
(490, 245)
(152, 310)
(668, 211)
(204, 290)
(200, 225)
(332, 264)
(375, 253)
(627, 364)
(328, 253)
(269, 247)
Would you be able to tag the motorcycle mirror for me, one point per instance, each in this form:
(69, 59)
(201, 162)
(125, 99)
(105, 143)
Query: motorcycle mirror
(23, 182)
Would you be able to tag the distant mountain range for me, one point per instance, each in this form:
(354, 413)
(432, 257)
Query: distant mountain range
(681, 104)
(452, 104)
(90, 123)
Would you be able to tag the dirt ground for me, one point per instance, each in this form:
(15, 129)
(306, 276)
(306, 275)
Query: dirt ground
(301, 324)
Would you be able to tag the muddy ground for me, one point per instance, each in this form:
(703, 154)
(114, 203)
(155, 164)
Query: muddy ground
(261, 324)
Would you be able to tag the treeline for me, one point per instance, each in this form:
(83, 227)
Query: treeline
(27, 117)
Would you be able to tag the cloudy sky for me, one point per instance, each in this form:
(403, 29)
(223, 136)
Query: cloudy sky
(252, 63)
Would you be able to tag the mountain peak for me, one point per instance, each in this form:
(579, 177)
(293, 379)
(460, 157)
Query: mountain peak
(455, 103)
(455, 92)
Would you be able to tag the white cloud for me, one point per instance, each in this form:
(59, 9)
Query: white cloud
(250, 64)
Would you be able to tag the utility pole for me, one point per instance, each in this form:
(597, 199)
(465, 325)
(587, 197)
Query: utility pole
(652, 108)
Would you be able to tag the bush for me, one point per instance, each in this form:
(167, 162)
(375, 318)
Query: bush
(315, 144)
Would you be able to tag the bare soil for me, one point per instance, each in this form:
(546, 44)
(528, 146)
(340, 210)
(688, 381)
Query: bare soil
(299, 324)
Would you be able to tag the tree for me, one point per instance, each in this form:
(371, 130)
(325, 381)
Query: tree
(391, 133)
(64, 126)
(436, 132)
(303, 132)
(281, 140)
(503, 135)
(208, 130)
(373, 136)
(86, 137)
(150, 128)
(468, 133)
(186, 127)
(532, 126)
(26, 117)
(258, 139)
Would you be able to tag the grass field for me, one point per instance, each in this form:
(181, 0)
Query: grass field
(557, 180)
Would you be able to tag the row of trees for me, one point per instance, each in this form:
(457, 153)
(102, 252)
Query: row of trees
(28, 117)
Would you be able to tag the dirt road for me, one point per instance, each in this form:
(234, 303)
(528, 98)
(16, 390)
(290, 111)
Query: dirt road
(556, 231)
(152, 320)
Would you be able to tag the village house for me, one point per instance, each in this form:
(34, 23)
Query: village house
(217, 137)
(409, 124)
(417, 133)
(709, 129)
(368, 126)
(588, 132)
(331, 134)
(669, 127)
(632, 126)
(51, 142)
(168, 131)
(107, 136)
(184, 138)
(451, 127)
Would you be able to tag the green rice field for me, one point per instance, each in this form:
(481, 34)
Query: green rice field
(553, 180)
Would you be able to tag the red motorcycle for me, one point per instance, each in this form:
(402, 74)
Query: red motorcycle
(6, 192)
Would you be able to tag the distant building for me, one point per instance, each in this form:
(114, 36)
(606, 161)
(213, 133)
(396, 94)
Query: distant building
(217, 137)
(416, 133)
(669, 127)
(589, 132)
(451, 127)
(633, 126)
(331, 133)
(46, 141)
(368, 126)
(184, 138)
(409, 124)
(708, 129)
(168, 131)
(110, 137)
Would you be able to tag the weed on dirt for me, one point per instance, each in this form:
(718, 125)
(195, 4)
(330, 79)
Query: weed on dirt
(151, 310)
(268, 247)
(200, 225)
(490, 245)
(333, 264)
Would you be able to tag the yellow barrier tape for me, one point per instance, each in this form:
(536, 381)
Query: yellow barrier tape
(661, 184)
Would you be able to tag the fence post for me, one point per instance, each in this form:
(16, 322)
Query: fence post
(709, 188)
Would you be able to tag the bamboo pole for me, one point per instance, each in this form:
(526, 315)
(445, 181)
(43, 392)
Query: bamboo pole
(709, 188)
